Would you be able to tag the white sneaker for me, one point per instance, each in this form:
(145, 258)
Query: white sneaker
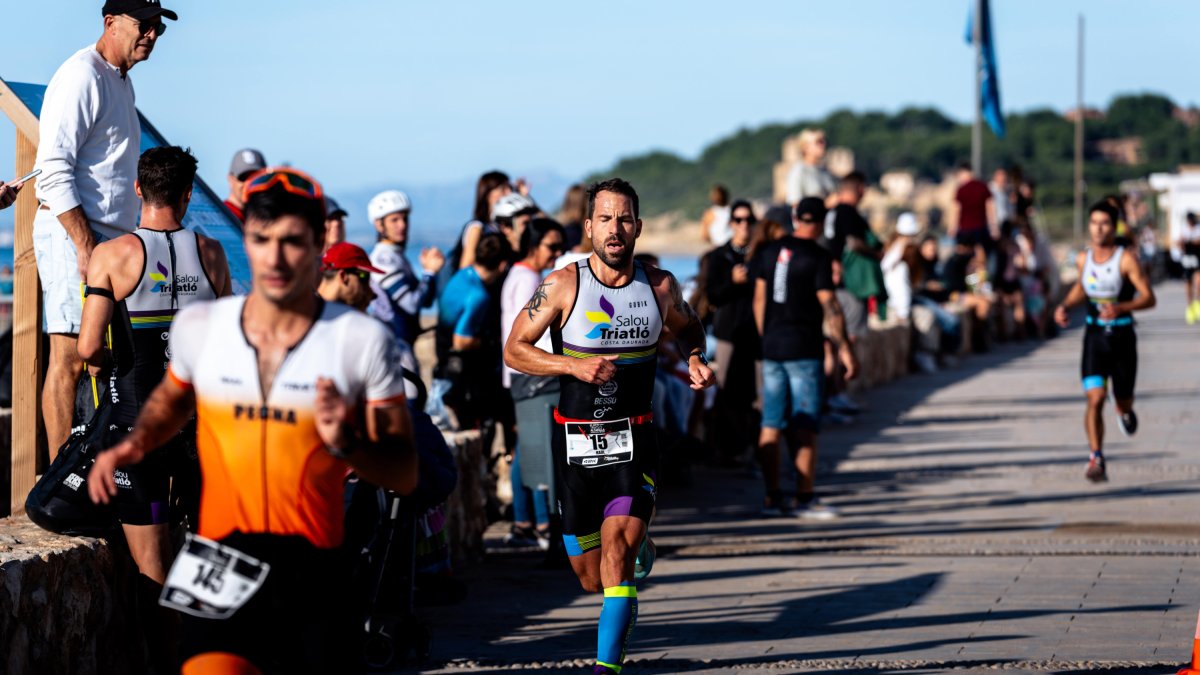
(814, 509)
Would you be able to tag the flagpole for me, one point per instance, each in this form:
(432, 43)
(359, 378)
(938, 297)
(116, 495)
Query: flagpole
(977, 128)
(1078, 221)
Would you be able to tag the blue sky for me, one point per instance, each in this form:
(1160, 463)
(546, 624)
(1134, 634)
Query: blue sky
(372, 93)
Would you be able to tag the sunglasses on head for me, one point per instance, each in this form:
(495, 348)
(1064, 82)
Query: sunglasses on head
(147, 25)
(291, 180)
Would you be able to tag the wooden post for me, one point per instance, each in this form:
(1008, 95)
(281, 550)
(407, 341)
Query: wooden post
(29, 437)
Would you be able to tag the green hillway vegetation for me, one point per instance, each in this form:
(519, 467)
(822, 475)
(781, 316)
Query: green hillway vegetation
(926, 142)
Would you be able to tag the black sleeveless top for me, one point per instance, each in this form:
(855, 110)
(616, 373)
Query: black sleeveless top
(623, 321)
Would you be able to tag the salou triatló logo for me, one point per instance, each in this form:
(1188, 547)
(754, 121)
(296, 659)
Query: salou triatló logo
(602, 319)
(609, 326)
(185, 284)
(161, 278)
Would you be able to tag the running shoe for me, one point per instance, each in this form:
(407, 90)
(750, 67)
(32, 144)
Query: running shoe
(1192, 313)
(925, 362)
(645, 559)
(772, 505)
(522, 537)
(837, 418)
(771, 510)
(1128, 422)
(1096, 471)
(844, 403)
(815, 509)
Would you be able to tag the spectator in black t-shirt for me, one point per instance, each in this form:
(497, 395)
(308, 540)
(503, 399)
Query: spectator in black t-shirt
(859, 278)
(793, 297)
(730, 290)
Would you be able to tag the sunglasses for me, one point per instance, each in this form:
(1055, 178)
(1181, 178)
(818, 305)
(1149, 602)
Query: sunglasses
(291, 180)
(362, 276)
(742, 220)
(147, 25)
(555, 248)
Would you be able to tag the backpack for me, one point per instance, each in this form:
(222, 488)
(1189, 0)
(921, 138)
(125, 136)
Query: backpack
(59, 502)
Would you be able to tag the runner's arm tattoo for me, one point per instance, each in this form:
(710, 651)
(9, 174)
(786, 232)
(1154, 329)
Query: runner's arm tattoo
(836, 319)
(538, 298)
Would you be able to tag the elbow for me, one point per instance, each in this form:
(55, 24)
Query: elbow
(90, 351)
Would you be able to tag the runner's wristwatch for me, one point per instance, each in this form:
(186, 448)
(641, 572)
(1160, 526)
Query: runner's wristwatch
(700, 353)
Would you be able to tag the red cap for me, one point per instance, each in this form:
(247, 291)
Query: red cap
(346, 256)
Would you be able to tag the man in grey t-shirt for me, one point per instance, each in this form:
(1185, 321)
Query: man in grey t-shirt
(807, 177)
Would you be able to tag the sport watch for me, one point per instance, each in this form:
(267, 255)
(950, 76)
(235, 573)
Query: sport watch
(699, 353)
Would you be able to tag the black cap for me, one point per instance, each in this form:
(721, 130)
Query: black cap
(138, 9)
(811, 210)
(333, 209)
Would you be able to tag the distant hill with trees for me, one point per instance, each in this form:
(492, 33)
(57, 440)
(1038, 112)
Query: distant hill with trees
(1154, 133)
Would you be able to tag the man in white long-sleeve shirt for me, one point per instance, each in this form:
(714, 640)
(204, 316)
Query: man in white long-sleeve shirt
(400, 294)
(90, 141)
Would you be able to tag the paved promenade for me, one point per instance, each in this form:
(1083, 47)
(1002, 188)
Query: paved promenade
(970, 540)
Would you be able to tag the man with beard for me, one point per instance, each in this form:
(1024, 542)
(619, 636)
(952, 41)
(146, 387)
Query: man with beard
(605, 315)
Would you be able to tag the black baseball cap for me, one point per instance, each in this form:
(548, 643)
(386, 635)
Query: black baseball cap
(333, 209)
(138, 9)
(811, 210)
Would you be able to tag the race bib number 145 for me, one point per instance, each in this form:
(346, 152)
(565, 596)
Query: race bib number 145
(210, 580)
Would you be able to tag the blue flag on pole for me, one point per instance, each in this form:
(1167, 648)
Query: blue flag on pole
(990, 93)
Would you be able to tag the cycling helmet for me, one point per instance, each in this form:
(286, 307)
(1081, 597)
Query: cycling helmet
(512, 204)
(388, 201)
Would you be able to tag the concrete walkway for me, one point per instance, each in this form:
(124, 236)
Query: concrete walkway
(970, 540)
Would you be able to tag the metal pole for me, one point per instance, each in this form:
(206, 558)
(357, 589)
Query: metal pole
(1078, 222)
(977, 127)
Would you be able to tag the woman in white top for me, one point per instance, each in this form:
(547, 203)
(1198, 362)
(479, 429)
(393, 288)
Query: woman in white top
(897, 275)
(714, 225)
(542, 242)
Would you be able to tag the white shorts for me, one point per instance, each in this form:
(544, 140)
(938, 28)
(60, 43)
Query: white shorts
(58, 270)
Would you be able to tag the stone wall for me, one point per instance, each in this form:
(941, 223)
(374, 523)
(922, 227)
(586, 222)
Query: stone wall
(466, 509)
(66, 604)
(882, 355)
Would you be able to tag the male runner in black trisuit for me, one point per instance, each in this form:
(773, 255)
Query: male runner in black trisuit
(605, 315)
(1109, 276)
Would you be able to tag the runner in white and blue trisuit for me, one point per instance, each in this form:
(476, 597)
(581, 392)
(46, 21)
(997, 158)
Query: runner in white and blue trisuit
(606, 315)
(1114, 286)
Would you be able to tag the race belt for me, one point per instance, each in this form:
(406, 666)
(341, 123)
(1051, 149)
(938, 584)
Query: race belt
(636, 420)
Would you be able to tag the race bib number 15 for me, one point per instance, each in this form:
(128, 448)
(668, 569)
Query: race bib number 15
(594, 444)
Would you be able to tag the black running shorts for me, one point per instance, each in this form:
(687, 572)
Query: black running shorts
(145, 492)
(297, 622)
(589, 494)
(1110, 354)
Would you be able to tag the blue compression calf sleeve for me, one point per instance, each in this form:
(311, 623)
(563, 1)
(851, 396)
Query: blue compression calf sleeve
(617, 619)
